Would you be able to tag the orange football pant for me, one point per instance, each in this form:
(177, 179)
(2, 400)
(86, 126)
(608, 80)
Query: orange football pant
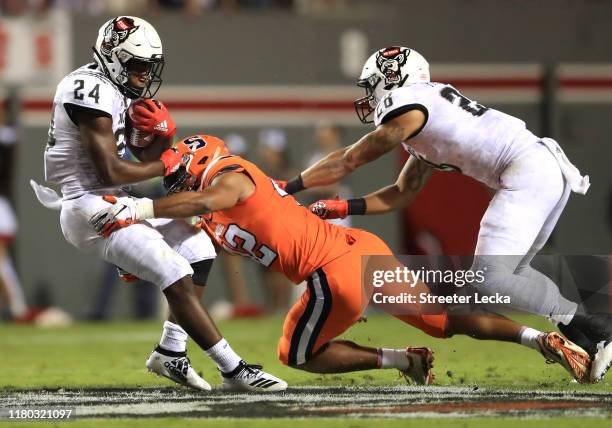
(337, 296)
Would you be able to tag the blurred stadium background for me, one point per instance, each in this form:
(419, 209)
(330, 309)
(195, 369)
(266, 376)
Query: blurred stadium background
(275, 78)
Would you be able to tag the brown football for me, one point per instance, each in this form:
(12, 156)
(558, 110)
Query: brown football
(135, 136)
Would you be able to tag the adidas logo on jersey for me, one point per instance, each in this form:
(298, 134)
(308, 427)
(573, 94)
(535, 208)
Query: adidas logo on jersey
(162, 126)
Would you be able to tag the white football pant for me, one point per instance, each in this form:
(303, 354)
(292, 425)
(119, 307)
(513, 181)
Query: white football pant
(157, 250)
(518, 222)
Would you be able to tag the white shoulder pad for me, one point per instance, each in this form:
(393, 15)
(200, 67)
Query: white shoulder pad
(400, 100)
(89, 89)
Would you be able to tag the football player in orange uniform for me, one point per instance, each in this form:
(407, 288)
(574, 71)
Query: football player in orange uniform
(246, 213)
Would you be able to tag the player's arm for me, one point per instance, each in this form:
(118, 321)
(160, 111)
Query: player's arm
(96, 128)
(410, 181)
(225, 191)
(370, 147)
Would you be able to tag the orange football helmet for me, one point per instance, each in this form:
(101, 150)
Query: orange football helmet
(203, 149)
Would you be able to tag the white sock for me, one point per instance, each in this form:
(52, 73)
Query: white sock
(174, 338)
(529, 337)
(393, 359)
(225, 357)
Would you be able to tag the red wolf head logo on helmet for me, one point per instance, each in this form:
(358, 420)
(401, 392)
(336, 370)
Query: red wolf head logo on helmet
(116, 32)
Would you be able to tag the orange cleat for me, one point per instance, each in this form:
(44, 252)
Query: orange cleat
(421, 365)
(574, 359)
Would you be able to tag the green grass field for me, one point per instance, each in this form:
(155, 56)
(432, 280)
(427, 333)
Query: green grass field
(112, 355)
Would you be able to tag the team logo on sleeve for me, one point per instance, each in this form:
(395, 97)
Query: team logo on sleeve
(390, 61)
(116, 32)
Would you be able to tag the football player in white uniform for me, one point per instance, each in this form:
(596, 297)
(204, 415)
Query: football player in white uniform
(84, 156)
(442, 129)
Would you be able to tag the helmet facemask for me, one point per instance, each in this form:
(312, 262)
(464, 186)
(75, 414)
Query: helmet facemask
(151, 68)
(180, 181)
(365, 106)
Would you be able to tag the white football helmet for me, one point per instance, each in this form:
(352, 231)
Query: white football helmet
(128, 44)
(385, 70)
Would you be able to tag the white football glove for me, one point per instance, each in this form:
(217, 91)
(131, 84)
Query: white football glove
(123, 212)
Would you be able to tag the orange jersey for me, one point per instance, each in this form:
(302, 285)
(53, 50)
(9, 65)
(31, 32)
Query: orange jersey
(271, 227)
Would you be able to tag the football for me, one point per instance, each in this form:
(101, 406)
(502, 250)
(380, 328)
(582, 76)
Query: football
(134, 136)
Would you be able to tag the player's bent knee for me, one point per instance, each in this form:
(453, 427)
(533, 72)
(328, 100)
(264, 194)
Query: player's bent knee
(284, 346)
(303, 366)
(180, 288)
(284, 358)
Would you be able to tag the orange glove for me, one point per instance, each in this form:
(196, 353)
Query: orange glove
(330, 208)
(153, 117)
(173, 160)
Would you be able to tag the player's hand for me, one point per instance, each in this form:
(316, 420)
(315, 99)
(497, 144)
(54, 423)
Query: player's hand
(329, 209)
(173, 160)
(153, 117)
(116, 216)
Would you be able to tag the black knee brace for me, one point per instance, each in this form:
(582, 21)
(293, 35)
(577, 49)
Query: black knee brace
(201, 270)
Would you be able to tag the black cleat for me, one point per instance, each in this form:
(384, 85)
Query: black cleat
(593, 333)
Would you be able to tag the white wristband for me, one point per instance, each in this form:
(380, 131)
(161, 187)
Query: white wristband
(144, 209)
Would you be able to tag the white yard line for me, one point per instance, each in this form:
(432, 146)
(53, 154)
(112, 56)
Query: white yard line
(393, 402)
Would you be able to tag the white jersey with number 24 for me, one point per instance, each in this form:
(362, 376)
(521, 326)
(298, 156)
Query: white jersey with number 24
(67, 162)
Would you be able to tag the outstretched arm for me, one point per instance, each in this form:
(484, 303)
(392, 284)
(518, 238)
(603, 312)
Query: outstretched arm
(224, 192)
(411, 180)
(370, 147)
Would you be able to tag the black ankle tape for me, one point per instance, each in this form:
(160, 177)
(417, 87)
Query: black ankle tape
(169, 353)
